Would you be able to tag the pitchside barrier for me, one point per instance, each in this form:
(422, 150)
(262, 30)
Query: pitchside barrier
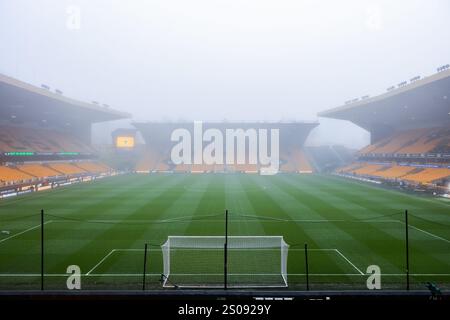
(209, 261)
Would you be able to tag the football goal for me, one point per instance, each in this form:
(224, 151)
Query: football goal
(198, 261)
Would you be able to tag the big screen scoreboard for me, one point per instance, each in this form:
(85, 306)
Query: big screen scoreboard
(125, 142)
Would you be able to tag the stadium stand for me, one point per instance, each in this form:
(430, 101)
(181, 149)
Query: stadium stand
(415, 141)
(292, 157)
(328, 158)
(38, 170)
(303, 163)
(93, 167)
(350, 167)
(428, 175)
(180, 168)
(147, 162)
(410, 136)
(45, 139)
(23, 139)
(30, 172)
(11, 175)
(295, 161)
(66, 168)
(287, 164)
(428, 143)
(368, 169)
(201, 168)
(395, 172)
(244, 168)
(408, 173)
(162, 166)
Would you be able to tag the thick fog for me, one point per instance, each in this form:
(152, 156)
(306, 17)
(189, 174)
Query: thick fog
(225, 59)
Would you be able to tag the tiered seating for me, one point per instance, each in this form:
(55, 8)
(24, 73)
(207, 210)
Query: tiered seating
(416, 141)
(412, 147)
(219, 168)
(147, 163)
(428, 175)
(92, 167)
(38, 170)
(351, 167)
(180, 168)
(398, 141)
(295, 161)
(368, 169)
(394, 172)
(287, 163)
(201, 168)
(246, 168)
(303, 163)
(24, 139)
(9, 143)
(66, 168)
(425, 143)
(152, 160)
(161, 167)
(407, 173)
(105, 167)
(8, 174)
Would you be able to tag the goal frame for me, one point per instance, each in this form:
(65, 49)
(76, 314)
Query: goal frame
(166, 252)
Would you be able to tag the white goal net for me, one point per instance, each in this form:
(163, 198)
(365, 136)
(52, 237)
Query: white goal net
(198, 261)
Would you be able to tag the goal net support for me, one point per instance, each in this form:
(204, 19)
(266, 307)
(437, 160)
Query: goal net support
(198, 261)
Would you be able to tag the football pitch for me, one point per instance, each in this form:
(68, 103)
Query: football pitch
(102, 226)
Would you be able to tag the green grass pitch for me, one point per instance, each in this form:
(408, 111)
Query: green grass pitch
(102, 226)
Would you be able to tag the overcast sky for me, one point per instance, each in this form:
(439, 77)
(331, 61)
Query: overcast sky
(228, 59)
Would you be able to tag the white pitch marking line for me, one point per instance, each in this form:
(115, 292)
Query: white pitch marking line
(345, 258)
(22, 232)
(101, 261)
(430, 234)
(114, 250)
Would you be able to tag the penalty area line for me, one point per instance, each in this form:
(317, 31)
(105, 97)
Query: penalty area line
(346, 259)
(101, 261)
(25, 231)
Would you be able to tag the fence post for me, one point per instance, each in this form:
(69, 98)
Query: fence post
(42, 249)
(225, 252)
(145, 267)
(306, 267)
(407, 249)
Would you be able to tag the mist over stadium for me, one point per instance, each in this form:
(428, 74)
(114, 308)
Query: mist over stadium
(252, 150)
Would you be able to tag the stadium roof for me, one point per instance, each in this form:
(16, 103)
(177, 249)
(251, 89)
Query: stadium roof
(158, 133)
(20, 100)
(420, 103)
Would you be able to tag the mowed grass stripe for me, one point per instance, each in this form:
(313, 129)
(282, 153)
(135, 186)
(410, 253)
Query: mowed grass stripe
(381, 233)
(183, 207)
(353, 238)
(131, 202)
(118, 235)
(62, 243)
(265, 203)
(239, 204)
(212, 202)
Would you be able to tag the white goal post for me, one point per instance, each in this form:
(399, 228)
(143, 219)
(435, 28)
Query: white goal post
(198, 261)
